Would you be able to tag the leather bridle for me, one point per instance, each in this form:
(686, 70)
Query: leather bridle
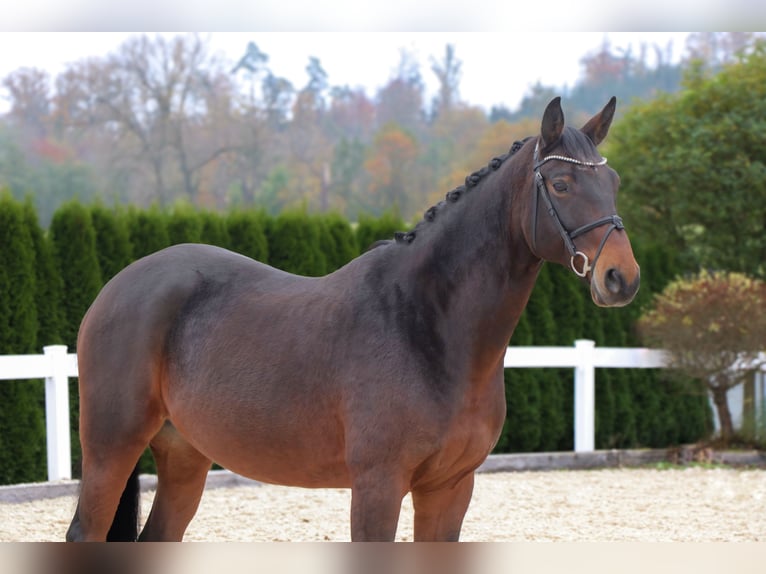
(614, 221)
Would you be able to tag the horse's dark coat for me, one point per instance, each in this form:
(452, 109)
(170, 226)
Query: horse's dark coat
(385, 376)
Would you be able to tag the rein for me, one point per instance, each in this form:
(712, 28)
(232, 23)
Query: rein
(614, 221)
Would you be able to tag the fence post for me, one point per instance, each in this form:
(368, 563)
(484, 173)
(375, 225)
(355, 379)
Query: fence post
(585, 397)
(57, 414)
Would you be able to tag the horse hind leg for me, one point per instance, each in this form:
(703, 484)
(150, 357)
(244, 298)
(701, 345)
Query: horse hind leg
(106, 510)
(181, 474)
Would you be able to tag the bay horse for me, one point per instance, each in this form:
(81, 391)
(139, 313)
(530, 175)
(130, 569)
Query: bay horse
(385, 377)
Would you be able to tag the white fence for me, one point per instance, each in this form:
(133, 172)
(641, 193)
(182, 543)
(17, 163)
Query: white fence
(584, 357)
(56, 367)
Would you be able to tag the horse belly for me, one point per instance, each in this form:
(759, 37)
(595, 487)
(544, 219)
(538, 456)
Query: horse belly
(290, 443)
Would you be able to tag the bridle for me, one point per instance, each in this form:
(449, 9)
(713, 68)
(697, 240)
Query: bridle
(614, 221)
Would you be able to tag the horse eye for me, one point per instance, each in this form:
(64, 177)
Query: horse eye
(560, 186)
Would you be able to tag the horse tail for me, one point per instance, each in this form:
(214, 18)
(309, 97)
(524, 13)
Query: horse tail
(125, 524)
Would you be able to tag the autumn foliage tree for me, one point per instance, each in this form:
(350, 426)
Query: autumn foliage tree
(714, 327)
(390, 163)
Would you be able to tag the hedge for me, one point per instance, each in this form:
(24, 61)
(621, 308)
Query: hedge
(22, 423)
(86, 245)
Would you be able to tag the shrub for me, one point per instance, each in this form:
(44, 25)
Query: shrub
(709, 323)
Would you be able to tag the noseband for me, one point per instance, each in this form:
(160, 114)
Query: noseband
(614, 221)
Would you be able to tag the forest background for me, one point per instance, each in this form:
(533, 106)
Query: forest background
(163, 120)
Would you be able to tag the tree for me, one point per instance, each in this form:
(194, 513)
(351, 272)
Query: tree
(213, 230)
(348, 176)
(714, 326)
(246, 233)
(22, 427)
(278, 95)
(447, 71)
(158, 106)
(370, 229)
(309, 142)
(551, 387)
(259, 120)
(294, 244)
(148, 231)
(29, 91)
(184, 225)
(693, 167)
(716, 49)
(48, 284)
(391, 165)
(73, 241)
(351, 115)
(522, 430)
(400, 101)
(74, 247)
(113, 246)
(340, 241)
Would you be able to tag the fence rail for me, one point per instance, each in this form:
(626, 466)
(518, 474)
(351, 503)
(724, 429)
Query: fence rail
(56, 367)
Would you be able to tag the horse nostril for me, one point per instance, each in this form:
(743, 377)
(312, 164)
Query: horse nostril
(614, 281)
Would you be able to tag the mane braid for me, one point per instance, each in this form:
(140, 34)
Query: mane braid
(453, 196)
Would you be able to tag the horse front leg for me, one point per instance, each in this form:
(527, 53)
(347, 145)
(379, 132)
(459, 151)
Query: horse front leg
(439, 513)
(376, 500)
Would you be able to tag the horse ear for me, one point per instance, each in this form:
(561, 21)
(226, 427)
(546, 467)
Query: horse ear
(598, 126)
(553, 123)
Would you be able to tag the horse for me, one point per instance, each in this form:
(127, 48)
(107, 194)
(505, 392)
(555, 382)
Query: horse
(385, 376)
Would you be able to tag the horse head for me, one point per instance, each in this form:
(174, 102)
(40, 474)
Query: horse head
(572, 216)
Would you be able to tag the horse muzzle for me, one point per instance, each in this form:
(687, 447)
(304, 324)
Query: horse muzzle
(614, 287)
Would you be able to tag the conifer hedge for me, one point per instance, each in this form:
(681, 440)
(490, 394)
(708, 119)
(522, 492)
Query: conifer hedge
(49, 278)
(22, 423)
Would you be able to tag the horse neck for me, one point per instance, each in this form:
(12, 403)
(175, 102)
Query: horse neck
(473, 264)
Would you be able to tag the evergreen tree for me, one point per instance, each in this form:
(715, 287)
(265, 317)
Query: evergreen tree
(74, 248)
(22, 426)
(113, 247)
(213, 230)
(605, 399)
(569, 300)
(521, 431)
(294, 244)
(48, 284)
(553, 420)
(327, 244)
(344, 241)
(148, 231)
(369, 229)
(184, 225)
(246, 234)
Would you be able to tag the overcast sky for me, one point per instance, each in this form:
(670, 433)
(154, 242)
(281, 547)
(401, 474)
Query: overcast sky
(497, 68)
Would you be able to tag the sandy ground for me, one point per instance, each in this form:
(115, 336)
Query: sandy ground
(631, 505)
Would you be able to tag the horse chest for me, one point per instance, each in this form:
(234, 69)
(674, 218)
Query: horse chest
(466, 437)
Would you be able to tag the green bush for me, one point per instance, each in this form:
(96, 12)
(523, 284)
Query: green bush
(214, 230)
(338, 241)
(113, 247)
(147, 230)
(370, 229)
(294, 244)
(184, 225)
(22, 423)
(74, 249)
(246, 229)
(85, 246)
(48, 284)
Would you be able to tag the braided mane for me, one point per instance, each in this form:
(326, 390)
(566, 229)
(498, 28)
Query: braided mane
(453, 196)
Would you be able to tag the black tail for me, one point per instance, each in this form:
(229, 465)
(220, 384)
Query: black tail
(125, 524)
